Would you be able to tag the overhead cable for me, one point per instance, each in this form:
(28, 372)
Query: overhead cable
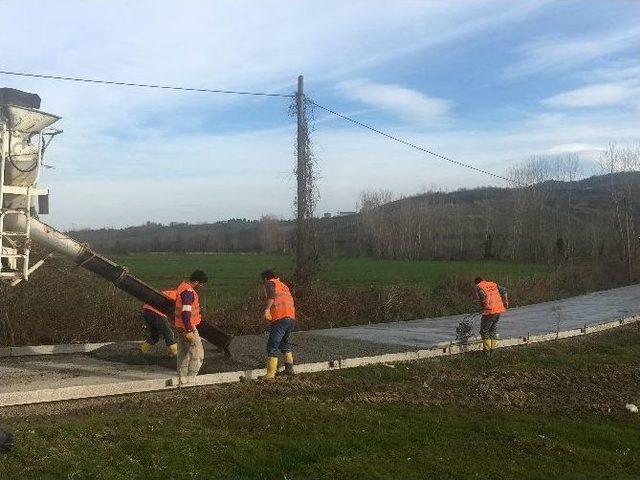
(263, 94)
(146, 85)
(409, 144)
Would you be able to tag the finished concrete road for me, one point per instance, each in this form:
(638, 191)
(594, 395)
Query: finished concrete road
(122, 361)
(567, 314)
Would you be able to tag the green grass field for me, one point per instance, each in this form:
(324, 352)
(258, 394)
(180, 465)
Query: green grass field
(233, 276)
(555, 410)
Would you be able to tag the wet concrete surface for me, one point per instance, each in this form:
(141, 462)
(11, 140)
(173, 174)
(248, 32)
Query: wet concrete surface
(567, 314)
(123, 362)
(249, 352)
(55, 371)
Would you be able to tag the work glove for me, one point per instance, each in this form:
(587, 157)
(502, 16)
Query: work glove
(190, 337)
(267, 315)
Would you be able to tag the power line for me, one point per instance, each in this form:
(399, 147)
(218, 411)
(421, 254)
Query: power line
(145, 85)
(409, 144)
(261, 94)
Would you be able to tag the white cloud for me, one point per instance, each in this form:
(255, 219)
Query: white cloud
(597, 95)
(589, 155)
(410, 105)
(572, 148)
(555, 54)
(619, 70)
(211, 177)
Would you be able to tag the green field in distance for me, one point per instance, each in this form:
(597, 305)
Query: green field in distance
(234, 276)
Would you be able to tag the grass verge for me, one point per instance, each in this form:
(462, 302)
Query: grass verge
(554, 410)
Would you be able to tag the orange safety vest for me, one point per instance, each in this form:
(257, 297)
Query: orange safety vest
(283, 303)
(492, 301)
(195, 306)
(167, 293)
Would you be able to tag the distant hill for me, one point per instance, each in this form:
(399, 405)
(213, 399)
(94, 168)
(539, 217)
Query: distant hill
(543, 222)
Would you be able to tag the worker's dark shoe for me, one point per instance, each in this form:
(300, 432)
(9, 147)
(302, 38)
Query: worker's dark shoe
(288, 364)
(6, 441)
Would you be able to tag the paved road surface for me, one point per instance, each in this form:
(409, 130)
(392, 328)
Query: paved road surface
(575, 312)
(122, 362)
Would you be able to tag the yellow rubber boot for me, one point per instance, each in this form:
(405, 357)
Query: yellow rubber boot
(494, 343)
(486, 344)
(288, 364)
(172, 350)
(272, 368)
(145, 347)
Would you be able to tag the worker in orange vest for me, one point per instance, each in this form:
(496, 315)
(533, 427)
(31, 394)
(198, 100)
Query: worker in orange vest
(493, 301)
(280, 312)
(186, 320)
(158, 325)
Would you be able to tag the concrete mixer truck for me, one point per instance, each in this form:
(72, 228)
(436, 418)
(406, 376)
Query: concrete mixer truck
(25, 134)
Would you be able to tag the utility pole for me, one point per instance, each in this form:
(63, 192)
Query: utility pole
(305, 249)
(301, 196)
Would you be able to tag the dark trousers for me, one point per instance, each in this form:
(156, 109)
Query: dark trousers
(279, 333)
(158, 326)
(489, 326)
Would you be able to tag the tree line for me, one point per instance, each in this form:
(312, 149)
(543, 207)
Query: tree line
(552, 214)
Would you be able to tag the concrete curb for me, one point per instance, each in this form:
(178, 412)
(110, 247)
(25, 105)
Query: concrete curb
(81, 391)
(122, 388)
(65, 348)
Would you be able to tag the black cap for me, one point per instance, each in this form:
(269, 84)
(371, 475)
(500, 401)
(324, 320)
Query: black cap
(268, 275)
(199, 276)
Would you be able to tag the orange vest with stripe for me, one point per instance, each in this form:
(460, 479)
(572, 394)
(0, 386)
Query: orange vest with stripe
(283, 302)
(492, 301)
(195, 306)
(167, 293)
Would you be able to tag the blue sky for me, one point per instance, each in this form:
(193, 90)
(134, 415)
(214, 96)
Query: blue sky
(488, 83)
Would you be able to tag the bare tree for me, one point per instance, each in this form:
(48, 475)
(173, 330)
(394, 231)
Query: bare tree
(374, 228)
(542, 215)
(624, 195)
(272, 238)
